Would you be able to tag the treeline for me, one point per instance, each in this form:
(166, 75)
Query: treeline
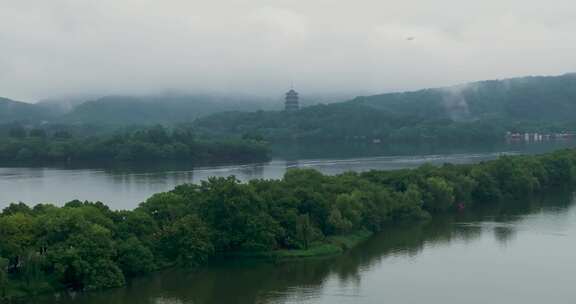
(85, 245)
(350, 122)
(548, 99)
(143, 144)
(480, 111)
(125, 110)
(359, 122)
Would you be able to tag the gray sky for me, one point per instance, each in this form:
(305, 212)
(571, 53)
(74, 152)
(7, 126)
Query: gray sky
(65, 47)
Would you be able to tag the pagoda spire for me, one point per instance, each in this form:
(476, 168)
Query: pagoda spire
(292, 102)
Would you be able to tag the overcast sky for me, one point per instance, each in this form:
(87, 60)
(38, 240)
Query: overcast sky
(50, 48)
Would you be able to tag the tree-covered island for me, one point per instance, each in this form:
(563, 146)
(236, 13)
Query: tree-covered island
(87, 245)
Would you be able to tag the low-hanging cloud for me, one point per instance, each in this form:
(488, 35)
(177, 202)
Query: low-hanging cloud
(63, 47)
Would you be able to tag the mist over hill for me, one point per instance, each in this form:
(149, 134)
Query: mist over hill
(126, 109)
(547, 99)
(163, 108)
(480, 110)
(494, 106)
(64, 105)
(11, 110)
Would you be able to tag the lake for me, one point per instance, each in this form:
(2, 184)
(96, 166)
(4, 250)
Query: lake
(515, 252)
(125, 186)
(512, 252)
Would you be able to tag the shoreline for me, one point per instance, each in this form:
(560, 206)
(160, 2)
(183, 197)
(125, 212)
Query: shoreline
(334, 245)
(86, 246)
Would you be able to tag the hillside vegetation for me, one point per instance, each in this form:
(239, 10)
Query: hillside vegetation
(545, 99)
(165, 109)
(125, 110)
(477, 111)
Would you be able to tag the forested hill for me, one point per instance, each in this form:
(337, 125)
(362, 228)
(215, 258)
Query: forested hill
(525, 99)
(528, 100)
(475, 111)
(11, 110)
(127, 110)
(155, 109)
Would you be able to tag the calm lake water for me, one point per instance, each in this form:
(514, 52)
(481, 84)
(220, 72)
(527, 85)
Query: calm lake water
(124, 187)
(518, 252)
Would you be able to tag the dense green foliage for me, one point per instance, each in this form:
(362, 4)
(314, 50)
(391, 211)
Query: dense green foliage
(154, 143)
(346, 122)
(85, 245)
(518, 99)
(477, 111)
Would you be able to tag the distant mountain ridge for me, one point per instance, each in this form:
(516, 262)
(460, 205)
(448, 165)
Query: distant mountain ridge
(11, 111)
(533, 99)
(124, 110)
(479, 110)
(155, 109)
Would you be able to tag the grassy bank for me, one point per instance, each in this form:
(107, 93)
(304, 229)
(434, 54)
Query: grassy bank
(333, 245)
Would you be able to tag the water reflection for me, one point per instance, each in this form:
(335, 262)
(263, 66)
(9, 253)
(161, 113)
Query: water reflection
(337, 150)
(405, 264)
(123, 187)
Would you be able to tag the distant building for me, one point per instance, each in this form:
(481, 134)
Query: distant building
(291, 104)
(535, 137)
